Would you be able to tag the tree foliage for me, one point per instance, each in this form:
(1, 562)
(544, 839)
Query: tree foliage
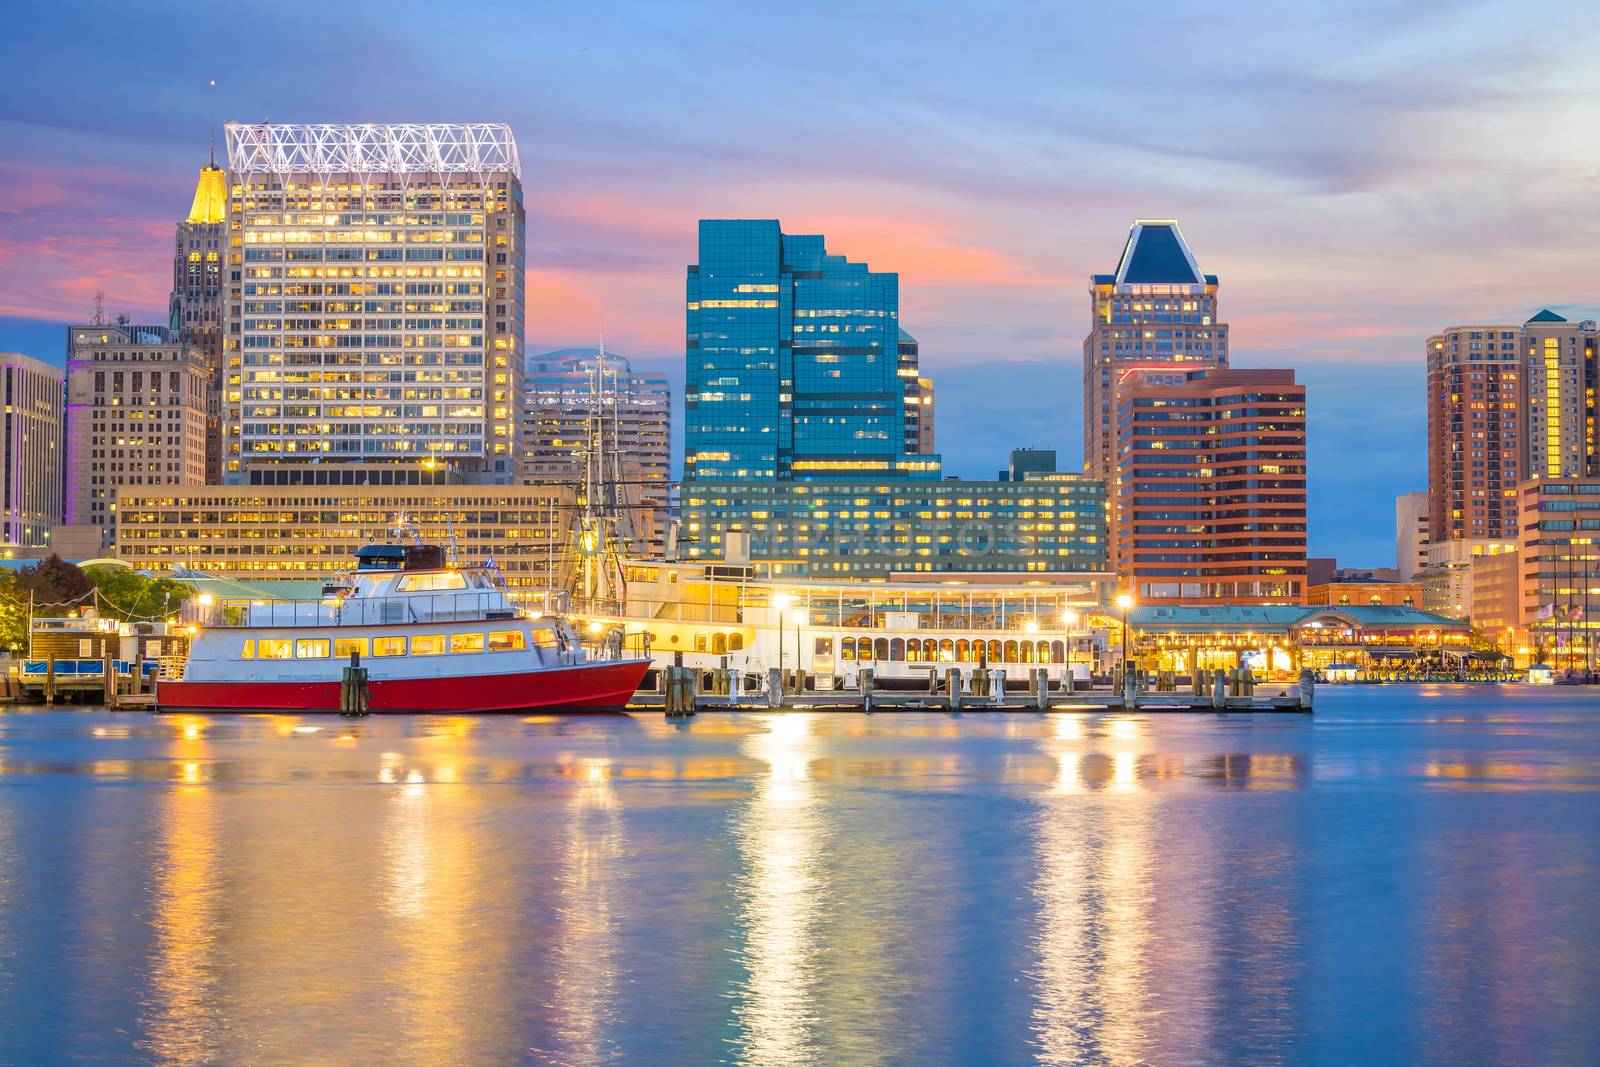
(128, 594)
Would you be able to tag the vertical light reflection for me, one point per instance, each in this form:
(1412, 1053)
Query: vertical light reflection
(780, 832)
(1094, 842)
(583, 955)
(434, 891)
(183, 1018)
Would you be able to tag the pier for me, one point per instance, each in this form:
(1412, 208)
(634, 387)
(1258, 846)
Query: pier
(685, 691)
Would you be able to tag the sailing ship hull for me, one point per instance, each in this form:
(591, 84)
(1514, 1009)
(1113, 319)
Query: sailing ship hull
(604, 685)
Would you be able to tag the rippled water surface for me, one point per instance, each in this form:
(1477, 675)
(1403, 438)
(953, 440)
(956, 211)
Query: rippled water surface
(1411, 876)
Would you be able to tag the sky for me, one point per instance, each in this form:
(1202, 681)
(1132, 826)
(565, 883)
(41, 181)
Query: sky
(1358, 175)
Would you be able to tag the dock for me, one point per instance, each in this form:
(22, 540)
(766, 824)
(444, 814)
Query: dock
(685, 691)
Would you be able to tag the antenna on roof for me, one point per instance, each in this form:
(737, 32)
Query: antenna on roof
(211, 124)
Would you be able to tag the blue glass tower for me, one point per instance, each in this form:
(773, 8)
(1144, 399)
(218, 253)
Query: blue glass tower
(792, 362)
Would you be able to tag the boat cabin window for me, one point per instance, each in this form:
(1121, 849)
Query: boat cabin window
(273, 648)
(506, 641)
(545, 637)
(735, 642)
(345, 647)
(823, 646)
(461, 643)
(388, 646)
(437, 581)
(312, 648)
(428, 645)
(248, 651)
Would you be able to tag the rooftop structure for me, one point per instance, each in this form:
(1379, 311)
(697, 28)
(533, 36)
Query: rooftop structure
(369, 150)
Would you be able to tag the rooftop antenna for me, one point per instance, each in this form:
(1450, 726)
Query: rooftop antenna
(211, 125)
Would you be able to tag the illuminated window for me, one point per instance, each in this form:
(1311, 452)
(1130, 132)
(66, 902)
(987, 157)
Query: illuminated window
(463, 643)
(388, 646)
(249, 650)
(429, 645)
(311, 648)
(345, 647)
(507, 641)
(427, 583)
(273, 648)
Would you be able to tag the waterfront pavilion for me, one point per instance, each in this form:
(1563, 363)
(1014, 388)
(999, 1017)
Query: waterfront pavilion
(1282, 638)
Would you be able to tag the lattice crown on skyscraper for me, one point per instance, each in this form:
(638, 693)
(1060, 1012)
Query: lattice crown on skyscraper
(367, 148)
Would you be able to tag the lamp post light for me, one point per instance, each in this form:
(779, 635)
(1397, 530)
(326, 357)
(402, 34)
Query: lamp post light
(1125, 605)
(1069, 619)
(798, 618)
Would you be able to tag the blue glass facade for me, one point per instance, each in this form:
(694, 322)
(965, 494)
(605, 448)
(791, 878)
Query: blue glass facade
(792, 362)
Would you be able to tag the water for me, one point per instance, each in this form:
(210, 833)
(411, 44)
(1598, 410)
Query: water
(1410, 877)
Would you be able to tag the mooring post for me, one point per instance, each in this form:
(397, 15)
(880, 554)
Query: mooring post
(1308, 688)
(774, 687)
(864, 680)
(1130, 690)
(952, 684)
(50, 680)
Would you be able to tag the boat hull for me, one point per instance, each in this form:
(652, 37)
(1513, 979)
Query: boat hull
(605, 686)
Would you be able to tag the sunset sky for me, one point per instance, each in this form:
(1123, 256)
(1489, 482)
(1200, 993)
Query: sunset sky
(1356, 177)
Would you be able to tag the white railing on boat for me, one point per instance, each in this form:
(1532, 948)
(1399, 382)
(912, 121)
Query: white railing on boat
(374, 611)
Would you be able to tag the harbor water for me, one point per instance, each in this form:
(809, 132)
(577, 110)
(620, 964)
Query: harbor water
(1409, 876)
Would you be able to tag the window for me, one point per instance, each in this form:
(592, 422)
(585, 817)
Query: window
(431, 583)
(431, 645)
(248, 651)
(312, 648)
(507, 641)
(345, 647)
(273, 648)
(388, 646)
(545, 638)
(460, 643)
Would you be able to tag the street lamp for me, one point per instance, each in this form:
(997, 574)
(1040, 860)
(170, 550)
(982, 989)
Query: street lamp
(798, 618)
(1069, 619)
(1124, 604)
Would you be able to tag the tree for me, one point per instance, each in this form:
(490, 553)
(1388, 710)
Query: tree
(13, 615)
(57, 586)
(128, 594)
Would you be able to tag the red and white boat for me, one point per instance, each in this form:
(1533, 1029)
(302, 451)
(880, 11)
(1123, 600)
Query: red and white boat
(433, 638)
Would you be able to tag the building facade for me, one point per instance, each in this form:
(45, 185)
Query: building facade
(918, 398)
(1156, 310)
(1211, 486)
(313, 532)
(1558, 555)
(1447, 580)
(375, 302)
(1475, 433)
(1411, 529)
(196, 306)
(833, 528)
(135, 416)
(573, 397)
(1561, 367)
(1372, 592)
(794, 366)
(31, 480)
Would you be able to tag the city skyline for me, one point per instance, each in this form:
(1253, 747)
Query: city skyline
(1359, 202)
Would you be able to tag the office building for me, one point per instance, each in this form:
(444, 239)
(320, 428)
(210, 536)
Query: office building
(820, 528)
(1558, 552)
(1369, 591)
(1447, 580)
(918, 397)
(374, 282)
(1029, 461)
(1561, 367)
(793, 362)
(135, 416)
(1411, 528)
(312, 532)
(1155, 311)
(196, 304)
(30, 482)
(1212, 486)
(572, 396)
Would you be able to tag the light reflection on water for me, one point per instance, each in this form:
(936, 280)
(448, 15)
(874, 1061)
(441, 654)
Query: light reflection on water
(1375, 884)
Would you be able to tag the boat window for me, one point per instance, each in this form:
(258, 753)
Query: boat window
(273, 648)
(719, 643)
(248, 651)
(822, 647)
(345, 647)
(700, 642)
(897, 650)
(388, 646)
(735, 642)
(847, 648)
(461, 643)
(432, 583)
(506, 641)
(311, 648)
(545, 637)
(428, 645)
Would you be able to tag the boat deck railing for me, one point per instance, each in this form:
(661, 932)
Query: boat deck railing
(485, 606)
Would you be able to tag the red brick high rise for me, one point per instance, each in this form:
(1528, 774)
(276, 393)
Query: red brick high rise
(1212, 486)
(1475, 433)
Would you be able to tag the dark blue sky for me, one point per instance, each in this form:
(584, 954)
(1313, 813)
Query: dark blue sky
(1358, 174)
